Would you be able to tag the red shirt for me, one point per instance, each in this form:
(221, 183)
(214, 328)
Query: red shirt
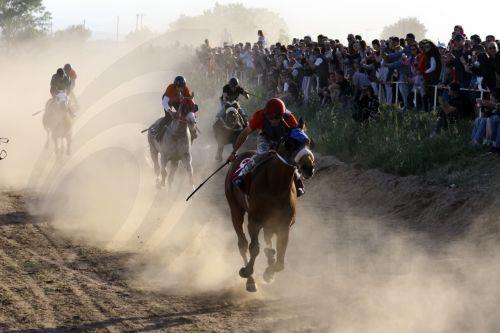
(72, 75)
(174, 96)
(257, 121)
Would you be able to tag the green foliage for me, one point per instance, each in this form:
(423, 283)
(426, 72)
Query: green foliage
(395, 142)
(76, 33)
(23, 19)
(404, 26)
(235, 22)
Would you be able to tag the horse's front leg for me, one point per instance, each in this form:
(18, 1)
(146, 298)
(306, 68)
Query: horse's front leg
(247, 271)
(173, 168)
(282, 243)
(163, 169)
(187, 161)
(220, 149)
(270, 254)
(47, 143)
(68, 144)
(238, 217)
(56, 144)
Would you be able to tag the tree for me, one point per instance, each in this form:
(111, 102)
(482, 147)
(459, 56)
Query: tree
(404, 26)
(140, 35)
(74, 33)
(234, 22)
(23, 19)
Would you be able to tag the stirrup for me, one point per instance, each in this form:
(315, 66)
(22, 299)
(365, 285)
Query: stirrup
(300, 192)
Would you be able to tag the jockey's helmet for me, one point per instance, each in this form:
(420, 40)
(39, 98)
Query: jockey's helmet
(234, 82)
(275, 106)
(180, 81)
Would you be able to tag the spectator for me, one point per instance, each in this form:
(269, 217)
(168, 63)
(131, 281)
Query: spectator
(343, 73)
(261, 38)
(457, 107)
(486, 129)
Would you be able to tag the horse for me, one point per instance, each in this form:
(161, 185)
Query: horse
(173, 146)
(227, 128)
(270, 204)
(58, 122)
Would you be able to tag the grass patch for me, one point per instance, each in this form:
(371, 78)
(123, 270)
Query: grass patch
(396, 142)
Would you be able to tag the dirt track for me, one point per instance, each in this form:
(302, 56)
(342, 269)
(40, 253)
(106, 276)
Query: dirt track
(50, 284)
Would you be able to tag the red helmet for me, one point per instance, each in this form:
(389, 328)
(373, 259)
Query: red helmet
(275, 106)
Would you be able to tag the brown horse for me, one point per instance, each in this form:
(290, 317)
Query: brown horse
(271, 205)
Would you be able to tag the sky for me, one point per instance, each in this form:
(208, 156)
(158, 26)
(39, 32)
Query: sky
(329, 17)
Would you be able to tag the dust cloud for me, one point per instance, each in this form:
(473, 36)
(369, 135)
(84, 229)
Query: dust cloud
(347, 271)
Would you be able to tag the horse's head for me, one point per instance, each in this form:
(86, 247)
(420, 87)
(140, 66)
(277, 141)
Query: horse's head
(232, 118)
(61, 98)
(300, 145)
(232, 104)
(187, 105)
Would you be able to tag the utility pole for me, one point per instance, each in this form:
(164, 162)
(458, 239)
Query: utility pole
(117, 28)
(142, 26)
(84, 24)
(136, 22)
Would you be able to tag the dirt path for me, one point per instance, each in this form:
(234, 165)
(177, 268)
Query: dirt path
(51, 284)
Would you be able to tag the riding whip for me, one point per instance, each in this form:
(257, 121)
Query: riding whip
(206, 180)
(38, 112)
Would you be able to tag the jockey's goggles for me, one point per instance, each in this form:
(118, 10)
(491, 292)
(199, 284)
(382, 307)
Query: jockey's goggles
(274, 116)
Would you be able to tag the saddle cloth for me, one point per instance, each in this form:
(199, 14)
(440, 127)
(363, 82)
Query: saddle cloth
(248, 177)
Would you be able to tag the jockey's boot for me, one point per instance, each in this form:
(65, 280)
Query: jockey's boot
(161, 127)
(194, 133)
(299, 184)
(246, 169)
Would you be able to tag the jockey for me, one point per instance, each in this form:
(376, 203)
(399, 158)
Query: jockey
(275, 122)
(59, 82)
(71, 74)
(231, 92)
(172, 98)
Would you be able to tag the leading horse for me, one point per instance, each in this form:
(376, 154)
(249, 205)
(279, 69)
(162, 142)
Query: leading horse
(271, 205)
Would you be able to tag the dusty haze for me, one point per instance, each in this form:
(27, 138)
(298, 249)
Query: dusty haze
(347, 269)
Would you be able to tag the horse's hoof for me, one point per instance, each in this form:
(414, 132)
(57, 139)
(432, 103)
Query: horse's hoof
(251, 287)
(268, 275)
(270, 255)
(244, 273)
(270, 252)
(278, 267)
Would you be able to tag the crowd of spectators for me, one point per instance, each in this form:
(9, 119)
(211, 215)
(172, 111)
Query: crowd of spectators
(459, 79)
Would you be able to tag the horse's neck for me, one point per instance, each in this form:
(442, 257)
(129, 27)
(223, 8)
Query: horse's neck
(178, 127)
(279, 175)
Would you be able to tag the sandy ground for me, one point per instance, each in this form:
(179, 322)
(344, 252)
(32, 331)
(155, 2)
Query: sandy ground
(51, 283)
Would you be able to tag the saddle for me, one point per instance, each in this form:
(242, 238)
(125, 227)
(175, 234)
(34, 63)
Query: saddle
(248, 177)
(159, 130)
